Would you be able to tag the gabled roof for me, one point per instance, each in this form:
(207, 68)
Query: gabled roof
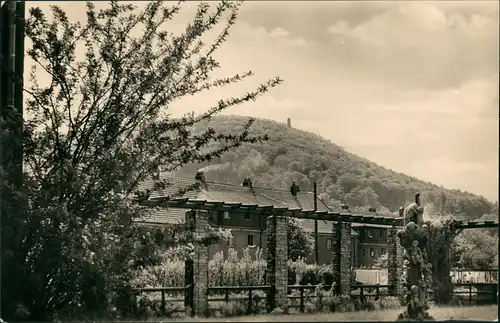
(170, 215)
(231, 193)
(304, 201)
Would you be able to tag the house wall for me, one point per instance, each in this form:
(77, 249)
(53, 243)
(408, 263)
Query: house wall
(238, 219)
(240, 241)
(366, 248)
(372, 244)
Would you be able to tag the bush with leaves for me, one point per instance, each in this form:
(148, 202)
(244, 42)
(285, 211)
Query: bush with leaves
(300, 241)
(96, 129)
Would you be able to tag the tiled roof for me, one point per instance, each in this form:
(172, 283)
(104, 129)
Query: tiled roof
(323, 227)
(224, 192)
(227, 192)
(304, 201)
(167, 215)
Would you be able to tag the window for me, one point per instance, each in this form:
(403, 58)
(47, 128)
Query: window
(328, 244)
(372, 252)
(369, 233)
(214, 215)
(382, 251)
(381, 233)
(227, 215)
(363, 251)
(248, 216)
(251, 239)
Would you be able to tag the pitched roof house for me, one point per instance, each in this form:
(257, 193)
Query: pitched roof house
(246, 230)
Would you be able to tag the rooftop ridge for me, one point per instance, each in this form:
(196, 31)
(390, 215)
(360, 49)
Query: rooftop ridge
(233, 184)
(275, 200)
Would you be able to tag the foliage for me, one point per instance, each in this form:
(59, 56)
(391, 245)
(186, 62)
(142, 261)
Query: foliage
(438, 238)
(231, 270)
(249, 270)
(295, 155)
(475, 250)
(382, 261)
(300, 241)
(95, 129)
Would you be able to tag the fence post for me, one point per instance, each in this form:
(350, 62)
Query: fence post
(277, 256)
(188, 283)
(163, 303)
(197, 221)
(249, 309)
(341, 257)
(301, 299)
(495, 294)
(394, 262)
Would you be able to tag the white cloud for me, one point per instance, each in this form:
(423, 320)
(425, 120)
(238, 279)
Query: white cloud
(279, 32)
(277, 35)
(413, 24)
(414, 88)
(474, 98)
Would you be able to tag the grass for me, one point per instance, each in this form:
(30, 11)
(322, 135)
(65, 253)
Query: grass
(487, 313)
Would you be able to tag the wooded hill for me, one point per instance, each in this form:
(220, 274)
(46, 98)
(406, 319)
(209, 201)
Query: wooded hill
(295, 155)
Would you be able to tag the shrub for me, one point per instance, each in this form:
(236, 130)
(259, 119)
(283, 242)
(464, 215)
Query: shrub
(249, 270)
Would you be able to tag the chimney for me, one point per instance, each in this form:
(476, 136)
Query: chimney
(344, 207)
(289, 122)
(372, 209)
(247, 182)
(294, 189)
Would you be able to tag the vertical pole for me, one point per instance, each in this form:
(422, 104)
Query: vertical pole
(316, 244)
(9, 124)
(2, 92)
(17, 115)
(163, 302)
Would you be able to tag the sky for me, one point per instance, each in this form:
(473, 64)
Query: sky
(410, 85)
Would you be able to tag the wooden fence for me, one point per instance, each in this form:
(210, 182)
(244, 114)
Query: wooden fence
(251, 296)
(379, 276)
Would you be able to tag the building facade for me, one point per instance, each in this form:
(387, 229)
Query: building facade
(249, 230)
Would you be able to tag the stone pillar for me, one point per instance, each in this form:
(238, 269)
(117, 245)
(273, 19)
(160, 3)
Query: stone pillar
(345, 258)
(336, 255)
(277, 256)
(395, 262)
(197, 223)
(341, 256)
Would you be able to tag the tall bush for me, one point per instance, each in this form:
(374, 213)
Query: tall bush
(96, 124)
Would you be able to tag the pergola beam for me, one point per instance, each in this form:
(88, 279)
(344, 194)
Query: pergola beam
(268, 210)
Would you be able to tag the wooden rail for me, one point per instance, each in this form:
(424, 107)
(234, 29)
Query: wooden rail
(366, 291)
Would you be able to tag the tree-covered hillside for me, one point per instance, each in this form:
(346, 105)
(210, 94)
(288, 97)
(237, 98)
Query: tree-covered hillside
(294, 155)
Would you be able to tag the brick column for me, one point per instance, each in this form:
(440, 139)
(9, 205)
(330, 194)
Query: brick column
(345, 258)
(341, 256)
(197, 222)
(277, 256)
(336, 254)
(395, 262)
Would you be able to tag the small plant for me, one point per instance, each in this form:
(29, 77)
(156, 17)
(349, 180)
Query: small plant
(233, 309)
